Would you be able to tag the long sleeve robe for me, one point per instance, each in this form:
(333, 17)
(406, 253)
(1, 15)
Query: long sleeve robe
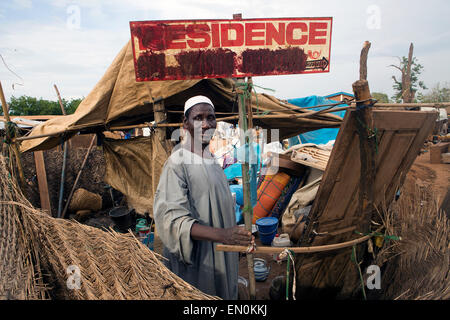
(194, 189)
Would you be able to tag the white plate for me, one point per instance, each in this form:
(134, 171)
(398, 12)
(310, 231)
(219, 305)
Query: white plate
(253, 227)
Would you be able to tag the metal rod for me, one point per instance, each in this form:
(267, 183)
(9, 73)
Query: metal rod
(63, 178)
(63, 170)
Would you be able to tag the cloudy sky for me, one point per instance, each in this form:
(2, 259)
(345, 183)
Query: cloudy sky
(71, 43)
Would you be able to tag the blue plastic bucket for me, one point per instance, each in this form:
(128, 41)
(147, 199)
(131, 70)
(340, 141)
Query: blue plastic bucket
(267, 228)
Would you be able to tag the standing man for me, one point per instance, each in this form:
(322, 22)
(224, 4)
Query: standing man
(193, 209)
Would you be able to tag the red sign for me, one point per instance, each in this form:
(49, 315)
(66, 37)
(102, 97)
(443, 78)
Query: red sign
(179, 49)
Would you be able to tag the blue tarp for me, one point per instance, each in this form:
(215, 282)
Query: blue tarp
(320, 136)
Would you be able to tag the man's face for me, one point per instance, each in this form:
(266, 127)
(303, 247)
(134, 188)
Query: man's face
(201, 123)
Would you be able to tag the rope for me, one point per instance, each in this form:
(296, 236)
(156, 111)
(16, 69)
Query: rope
(247, 90)
(288, 253)
(371, 133)
(354, 259)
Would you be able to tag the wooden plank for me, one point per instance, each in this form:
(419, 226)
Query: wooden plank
(386, 171)
(42, 181)
(389, 119)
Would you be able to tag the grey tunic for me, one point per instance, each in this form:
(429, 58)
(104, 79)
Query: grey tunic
(193, 189)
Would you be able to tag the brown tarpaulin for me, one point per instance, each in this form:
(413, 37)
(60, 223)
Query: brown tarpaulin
(117, 99)
(133, 167)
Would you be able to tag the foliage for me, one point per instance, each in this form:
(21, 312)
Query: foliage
(416, 70)
(437, 94)
(30, 106)
(381, 97)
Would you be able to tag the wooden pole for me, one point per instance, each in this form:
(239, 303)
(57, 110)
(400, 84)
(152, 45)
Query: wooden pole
(14, 145)
(78, 177)
(367, 148)
(363, 61)
(42, 181)
(160, 116)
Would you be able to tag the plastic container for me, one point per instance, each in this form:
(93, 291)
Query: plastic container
(146, 237)
(261, 269)
(140, 223)
(267, 229)
(283, 241)
(268, 193)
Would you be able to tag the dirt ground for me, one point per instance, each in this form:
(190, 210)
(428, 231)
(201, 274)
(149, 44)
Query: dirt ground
(424, 174)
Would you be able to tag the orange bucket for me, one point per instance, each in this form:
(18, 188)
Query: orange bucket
(268, 193)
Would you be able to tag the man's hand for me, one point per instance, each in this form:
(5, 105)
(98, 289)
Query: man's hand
(237, 236)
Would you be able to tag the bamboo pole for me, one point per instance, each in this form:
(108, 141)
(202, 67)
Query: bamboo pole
(14, 145)
(248, 210)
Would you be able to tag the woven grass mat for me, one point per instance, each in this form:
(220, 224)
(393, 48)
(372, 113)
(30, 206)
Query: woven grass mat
(47, 258)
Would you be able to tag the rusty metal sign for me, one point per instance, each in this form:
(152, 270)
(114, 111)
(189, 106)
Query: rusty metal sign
(196, 49)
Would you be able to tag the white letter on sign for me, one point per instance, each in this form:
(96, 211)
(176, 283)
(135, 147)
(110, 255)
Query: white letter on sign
(374, 280)
(374, 20)
(74, 18)
(74, 279)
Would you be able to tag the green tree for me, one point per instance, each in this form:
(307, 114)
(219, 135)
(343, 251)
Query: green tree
(381, 97)
(437, 94)
(30, 106)
(406, 88)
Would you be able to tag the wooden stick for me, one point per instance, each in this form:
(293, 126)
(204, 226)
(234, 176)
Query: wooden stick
(78, 177)
(271, 250)
(14, 146)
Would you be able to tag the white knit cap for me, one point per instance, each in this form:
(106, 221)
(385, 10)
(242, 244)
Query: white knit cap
(196, 100)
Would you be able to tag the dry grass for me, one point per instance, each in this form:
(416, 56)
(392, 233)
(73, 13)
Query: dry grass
(417, 266)
(36, 251)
